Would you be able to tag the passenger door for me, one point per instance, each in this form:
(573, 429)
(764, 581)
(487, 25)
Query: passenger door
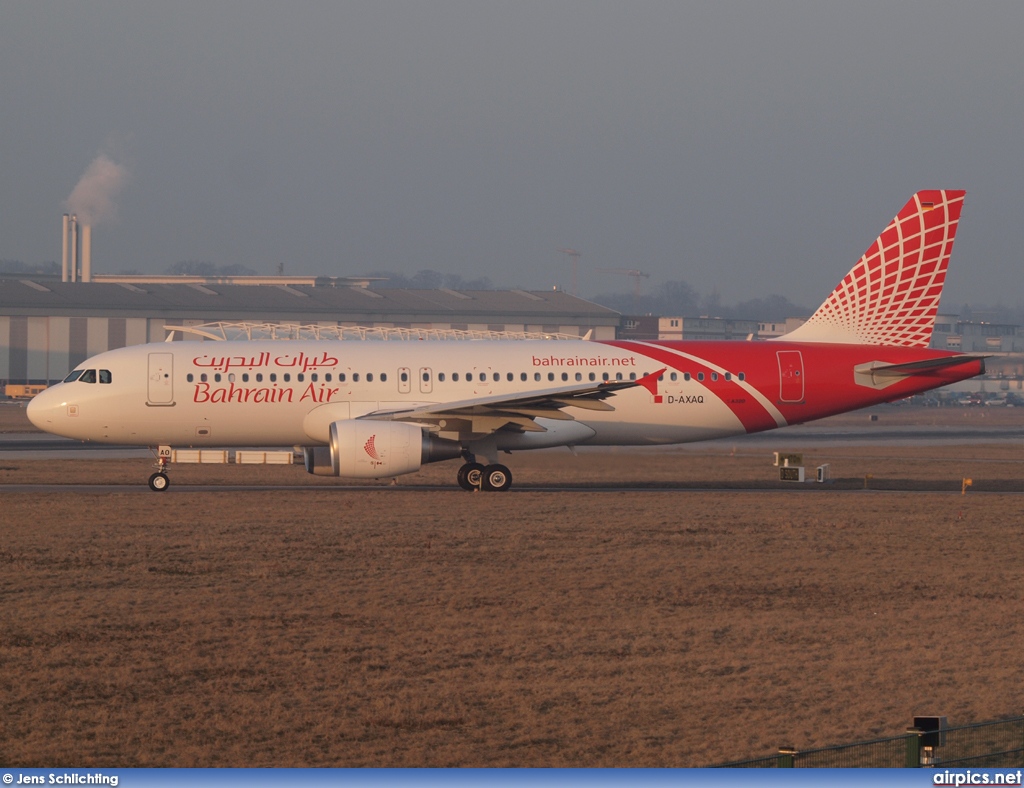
(791, 376)
(161, 379)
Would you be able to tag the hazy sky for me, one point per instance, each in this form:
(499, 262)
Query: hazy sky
(746, 147)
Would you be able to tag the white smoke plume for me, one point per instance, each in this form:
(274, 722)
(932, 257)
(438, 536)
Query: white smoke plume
(94, 194)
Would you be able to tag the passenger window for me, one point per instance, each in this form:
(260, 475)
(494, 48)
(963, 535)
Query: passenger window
(273, 377)
(510, 377)
(632, 376)
(301, 377)
(89, 376)
(618, 376)
(383, 377)
(440, 376)
(426, 377)
(700, 376)
(287, 377)
(341, 377)
(215, 377)
(604, 376)
(355, 377)
(579, 376)
(245, 377)
(189, 377)
(105, 376)
(259, 377)
(369, 377)
(565, 376)
(231, 377)
(593, 377)
(522, 376)
(78, 373)
(404, 377)
(551, 376)
(714, 376)
(728, 376)
(536, 376)
(455, 377)
(313, 376)
(686, 376)
(203, 377)
(742, 376)
(674, 376)
(483, 377)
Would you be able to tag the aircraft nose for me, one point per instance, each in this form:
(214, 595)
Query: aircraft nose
(40, 410)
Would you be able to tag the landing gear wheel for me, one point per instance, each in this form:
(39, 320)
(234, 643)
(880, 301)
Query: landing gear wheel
(159, 482)
(471, 476)
(497, 478)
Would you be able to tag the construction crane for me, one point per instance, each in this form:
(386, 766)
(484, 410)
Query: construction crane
(574, 258)
(633, 272)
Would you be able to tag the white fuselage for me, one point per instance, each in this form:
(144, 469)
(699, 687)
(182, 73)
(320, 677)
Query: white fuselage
(286, 393)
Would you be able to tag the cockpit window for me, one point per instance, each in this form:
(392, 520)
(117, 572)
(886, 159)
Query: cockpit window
(105, 376)
(74, 375)
(89, 376)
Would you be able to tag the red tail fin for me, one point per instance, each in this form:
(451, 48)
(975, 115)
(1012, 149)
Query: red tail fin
(891, 296)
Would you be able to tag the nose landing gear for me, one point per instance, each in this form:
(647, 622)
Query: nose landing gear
(160, 481)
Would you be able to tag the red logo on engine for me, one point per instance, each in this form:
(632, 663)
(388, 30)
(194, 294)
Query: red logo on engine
(370, 449)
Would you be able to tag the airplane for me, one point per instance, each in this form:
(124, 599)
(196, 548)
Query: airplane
(370, 409)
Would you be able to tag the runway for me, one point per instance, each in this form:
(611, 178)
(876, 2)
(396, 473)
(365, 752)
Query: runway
(848, 486)
(42, 446)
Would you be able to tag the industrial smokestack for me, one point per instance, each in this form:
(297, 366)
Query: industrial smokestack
(86, 253)
(93, 199)
(64, 250)
(74, 248)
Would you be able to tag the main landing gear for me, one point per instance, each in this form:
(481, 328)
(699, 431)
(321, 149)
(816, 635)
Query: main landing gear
(160, 481)
(490, 478)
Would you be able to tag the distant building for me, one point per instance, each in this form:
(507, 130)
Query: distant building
(697, 328)
(769, 329)
(47, 326)
(951, 333)
(639, 327)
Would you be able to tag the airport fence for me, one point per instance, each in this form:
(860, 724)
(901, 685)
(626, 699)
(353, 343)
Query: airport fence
(993, 744)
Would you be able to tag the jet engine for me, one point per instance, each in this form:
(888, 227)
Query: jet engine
(366, 449)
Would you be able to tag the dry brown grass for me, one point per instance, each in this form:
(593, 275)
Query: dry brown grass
(330, 626)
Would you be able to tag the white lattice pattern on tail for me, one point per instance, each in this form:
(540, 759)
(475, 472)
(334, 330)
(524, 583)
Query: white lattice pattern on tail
(891, 296)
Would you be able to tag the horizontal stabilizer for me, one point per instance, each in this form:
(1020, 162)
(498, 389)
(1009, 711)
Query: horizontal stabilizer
(879, 374)
(902, 370)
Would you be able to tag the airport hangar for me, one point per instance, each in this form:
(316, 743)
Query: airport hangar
(48, 326)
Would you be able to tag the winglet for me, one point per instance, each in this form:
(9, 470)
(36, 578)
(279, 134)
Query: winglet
(650, 382)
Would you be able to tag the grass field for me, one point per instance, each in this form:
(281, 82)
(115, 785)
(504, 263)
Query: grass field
(647, 627)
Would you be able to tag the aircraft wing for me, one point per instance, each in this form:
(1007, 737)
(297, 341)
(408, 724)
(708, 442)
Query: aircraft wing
(484, 415)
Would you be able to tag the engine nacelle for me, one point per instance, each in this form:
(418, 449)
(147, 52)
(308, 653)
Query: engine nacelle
(366, 449)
